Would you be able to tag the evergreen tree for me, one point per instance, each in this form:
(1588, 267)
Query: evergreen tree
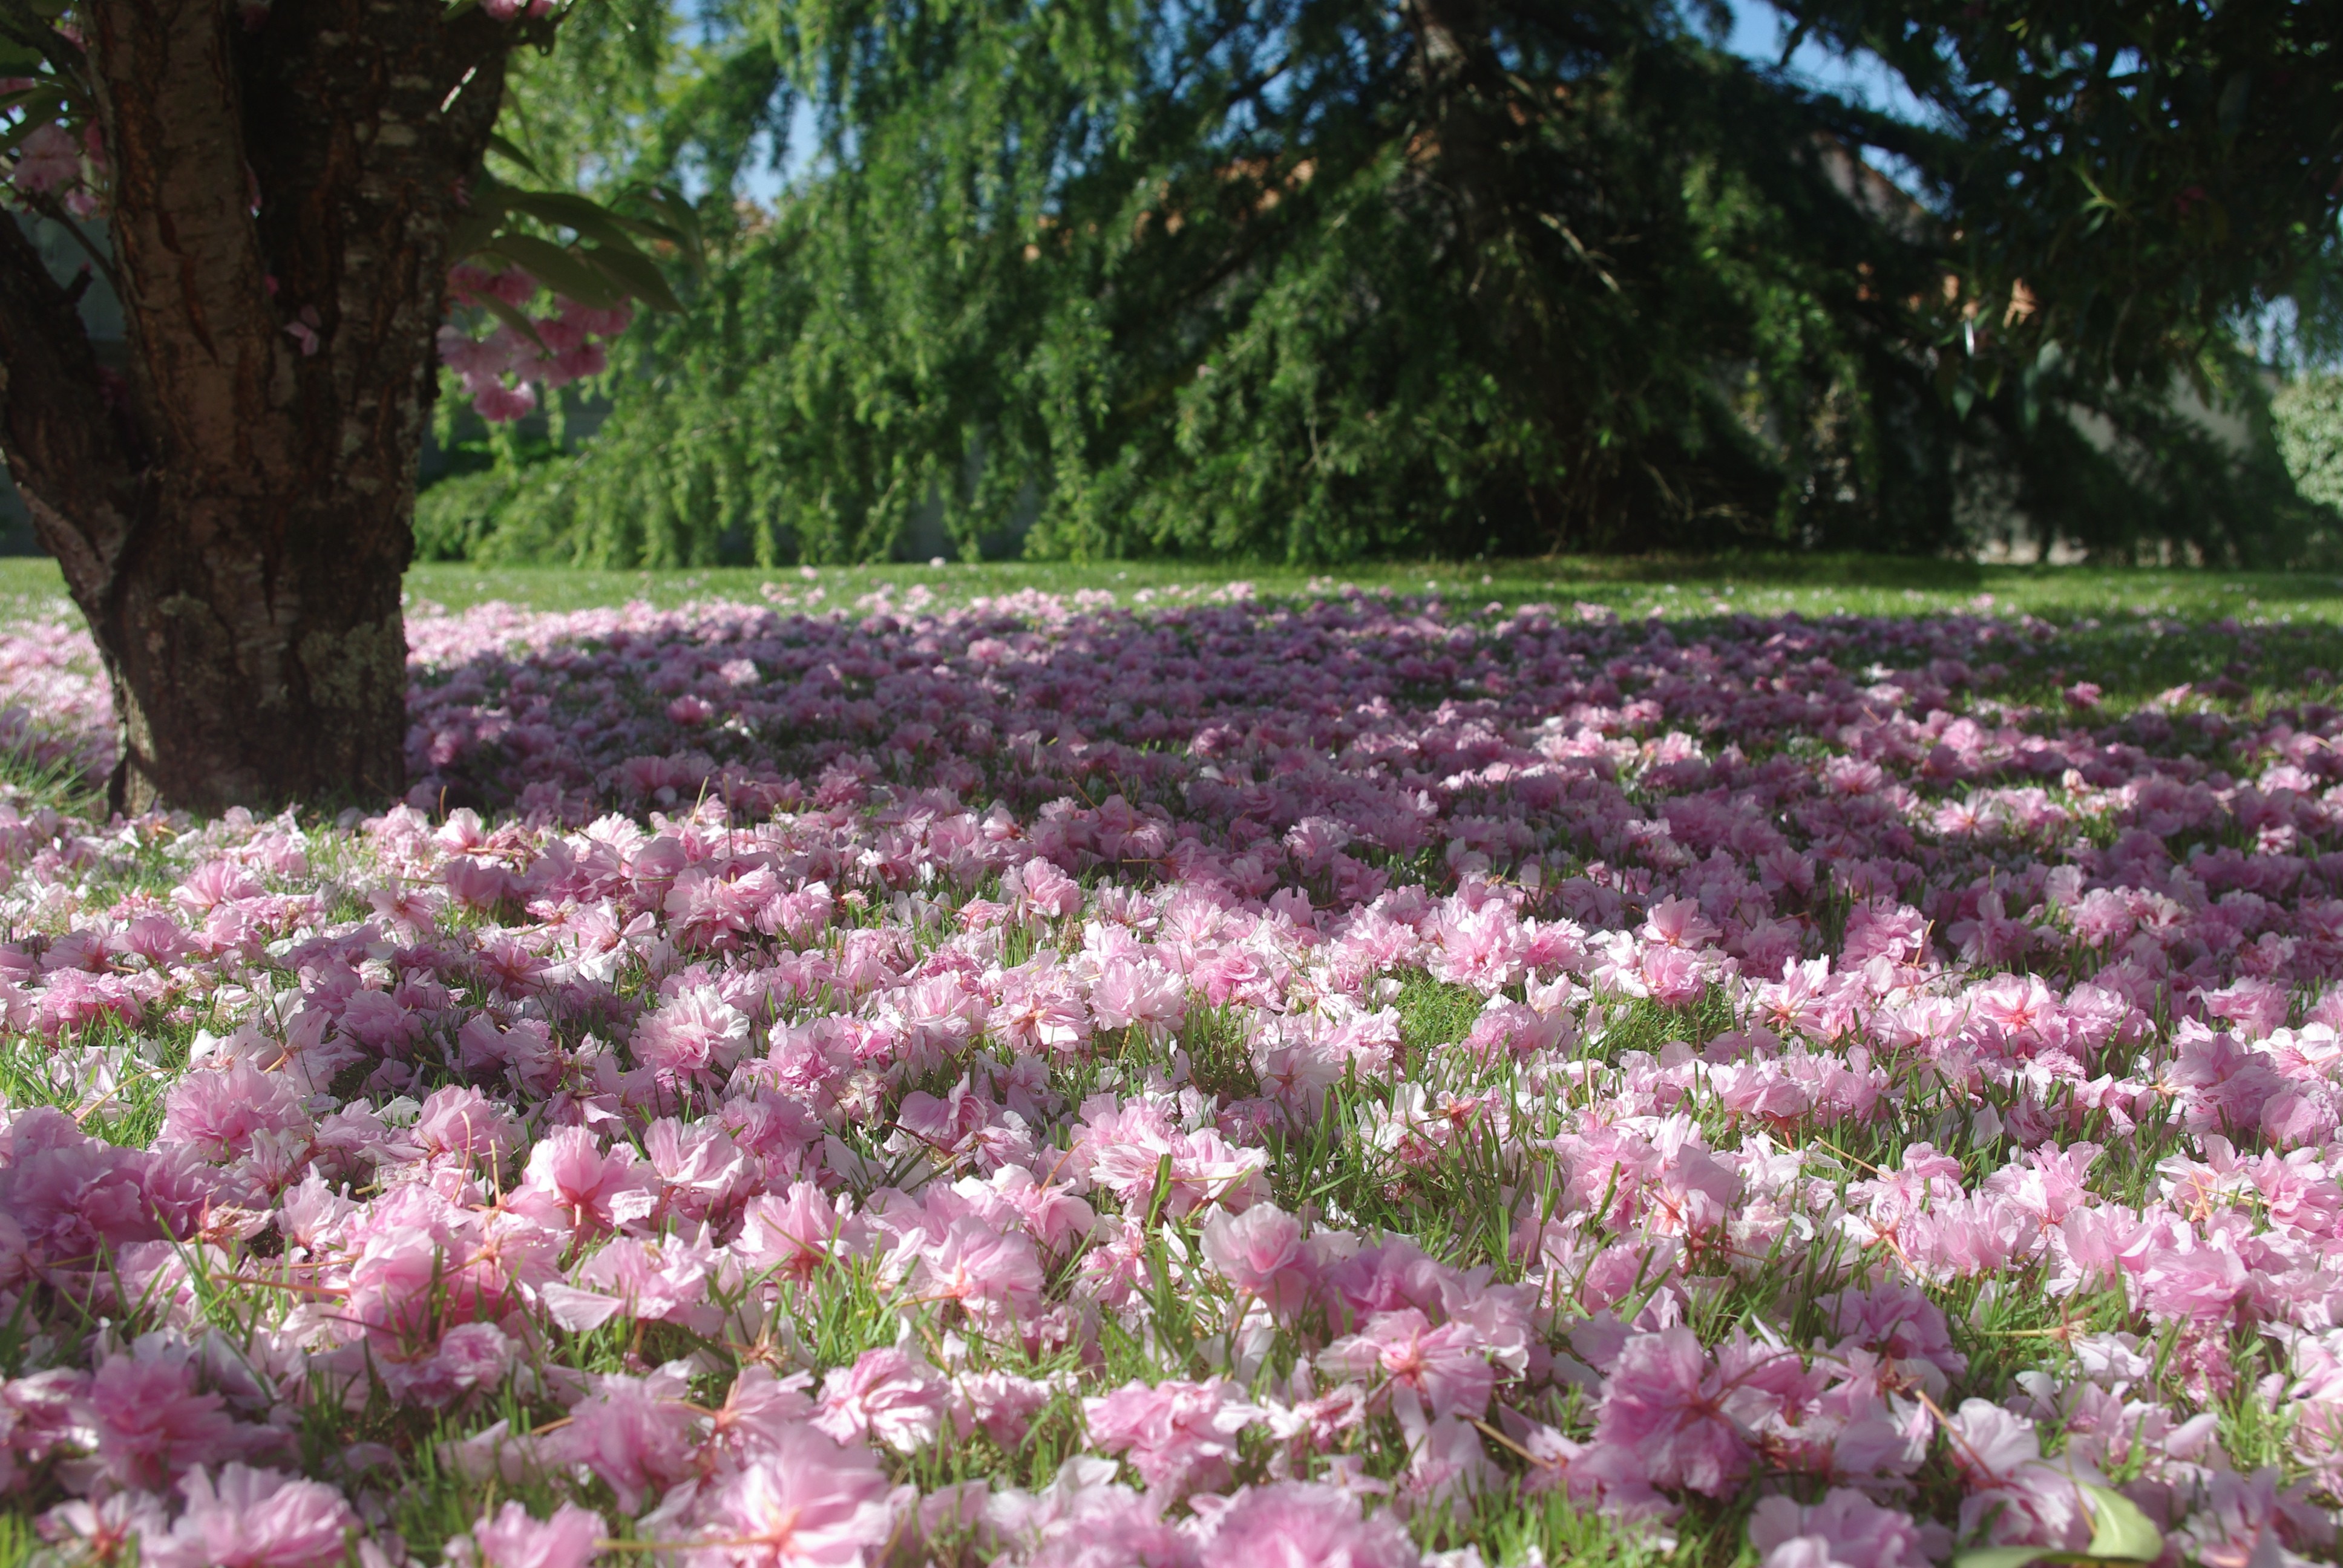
(1315, 279)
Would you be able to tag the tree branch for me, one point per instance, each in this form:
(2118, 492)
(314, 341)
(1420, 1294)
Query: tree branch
(65, 447)
(51, 208)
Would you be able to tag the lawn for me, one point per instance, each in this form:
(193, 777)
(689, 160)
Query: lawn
(1812, 586)
(1786, 1063)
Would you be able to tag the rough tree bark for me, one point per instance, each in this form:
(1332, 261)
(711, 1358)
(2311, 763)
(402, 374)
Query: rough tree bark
(235, 520)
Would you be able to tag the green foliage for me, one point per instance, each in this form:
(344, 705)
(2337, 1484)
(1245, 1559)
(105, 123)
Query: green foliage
(1312, 280)
(2309, 417)
(20, 1542)
(455, 519)
(2142, 171)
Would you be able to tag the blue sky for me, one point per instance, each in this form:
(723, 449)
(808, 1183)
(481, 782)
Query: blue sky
(1758, 33)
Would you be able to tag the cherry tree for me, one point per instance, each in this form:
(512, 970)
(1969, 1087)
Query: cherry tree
(278, 196)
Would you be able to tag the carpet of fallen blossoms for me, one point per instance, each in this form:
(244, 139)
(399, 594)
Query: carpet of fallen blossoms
(1209, 1083)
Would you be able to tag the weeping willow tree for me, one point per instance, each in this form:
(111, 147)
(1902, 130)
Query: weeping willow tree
(1311, 280)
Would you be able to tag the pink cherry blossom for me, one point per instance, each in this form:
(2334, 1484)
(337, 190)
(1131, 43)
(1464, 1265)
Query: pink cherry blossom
(1259, 1252)
(254, 1519)
(1663, 1422)
(1521, 1050)
(150, 1424)
(1297, 1524)
(1846, 1530)
(1179, 1435)
(638, 1434)
(888, 1397)
(1446, 1367)
(512, 1538)
(807, 1501)
(48, 160)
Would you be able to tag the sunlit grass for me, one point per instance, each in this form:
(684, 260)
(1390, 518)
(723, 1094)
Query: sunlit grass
(1689, 587)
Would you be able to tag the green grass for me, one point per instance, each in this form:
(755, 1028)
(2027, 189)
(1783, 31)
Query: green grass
(2255, 639)
(2135, 632)
(1815, 586)
(1676, 587)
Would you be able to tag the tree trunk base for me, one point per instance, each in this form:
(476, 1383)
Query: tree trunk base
(228, 693)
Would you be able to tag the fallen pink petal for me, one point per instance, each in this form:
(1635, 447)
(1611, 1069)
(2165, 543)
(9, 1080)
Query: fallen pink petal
(1199, 1079)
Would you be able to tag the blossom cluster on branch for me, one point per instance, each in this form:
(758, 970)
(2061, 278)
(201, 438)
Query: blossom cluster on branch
(54, 161)
(502, 371)
(56, 165)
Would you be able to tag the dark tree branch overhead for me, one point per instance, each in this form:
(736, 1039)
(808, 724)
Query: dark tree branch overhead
(53, 412)
(2147, 171)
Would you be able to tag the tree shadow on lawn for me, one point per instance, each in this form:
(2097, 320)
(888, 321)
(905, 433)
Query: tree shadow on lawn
(580, 706)
(1770, 570)
(2059, 592)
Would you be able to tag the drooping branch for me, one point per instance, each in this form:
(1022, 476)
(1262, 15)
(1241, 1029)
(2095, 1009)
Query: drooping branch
(69, 445)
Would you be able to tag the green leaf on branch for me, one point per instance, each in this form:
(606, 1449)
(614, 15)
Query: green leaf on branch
(612, 268)
(512, 316)
(638, 275)
(476, 230)
(505, 147)
(590, 219)
(15, 133)
(678, 223)
(40, 104)
(2011, 1557)
(563, 271)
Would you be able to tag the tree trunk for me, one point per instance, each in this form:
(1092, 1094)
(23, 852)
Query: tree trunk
(235, 521)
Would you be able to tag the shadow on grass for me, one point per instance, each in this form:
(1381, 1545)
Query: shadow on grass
(1769, 569)
(2095, 590)
(2135, 635)
(2243, 673)
(31, 783)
